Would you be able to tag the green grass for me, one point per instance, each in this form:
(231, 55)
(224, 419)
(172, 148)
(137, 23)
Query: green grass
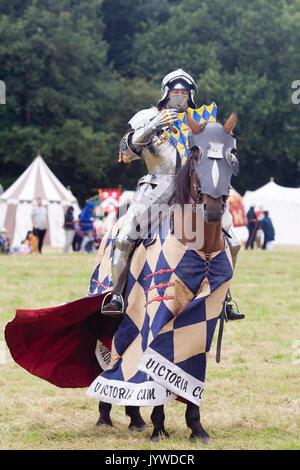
(251, 399)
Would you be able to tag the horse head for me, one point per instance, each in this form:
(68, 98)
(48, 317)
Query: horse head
(213, 160)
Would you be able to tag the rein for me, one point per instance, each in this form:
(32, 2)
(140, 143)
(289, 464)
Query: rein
(197, 188)
(197, 197)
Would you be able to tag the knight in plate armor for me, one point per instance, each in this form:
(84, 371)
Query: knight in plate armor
(148, 140)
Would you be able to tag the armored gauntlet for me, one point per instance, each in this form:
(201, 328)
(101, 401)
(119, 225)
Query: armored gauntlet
(144, 134)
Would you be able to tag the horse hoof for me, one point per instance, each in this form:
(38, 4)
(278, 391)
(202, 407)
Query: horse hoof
(204, 438)
(138, 428)
(104, 422)
(158, 435)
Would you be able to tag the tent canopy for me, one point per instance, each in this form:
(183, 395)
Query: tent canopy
(283, 205)
(16, 203)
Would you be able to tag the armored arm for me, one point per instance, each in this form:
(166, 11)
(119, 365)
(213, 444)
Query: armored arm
(144, 126)
(128, 152)
(144, 134)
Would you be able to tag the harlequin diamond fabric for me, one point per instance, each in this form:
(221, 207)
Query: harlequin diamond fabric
(175, 296)
(180, 130)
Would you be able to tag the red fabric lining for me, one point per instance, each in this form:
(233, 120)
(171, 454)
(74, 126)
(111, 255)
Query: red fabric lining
(58, 344)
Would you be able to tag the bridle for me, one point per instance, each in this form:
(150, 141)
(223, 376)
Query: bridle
(197, 194)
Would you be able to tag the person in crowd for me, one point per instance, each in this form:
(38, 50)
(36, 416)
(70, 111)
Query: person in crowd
(269, 232)
(99, 232)
(87, 218)
(32, 241)
(78, 237)
(252, 228)
(4, 242)
(39, 222)
(89, 242)
(69, 227)
(25, 248)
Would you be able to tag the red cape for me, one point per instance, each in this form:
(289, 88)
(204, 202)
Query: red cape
(58, 344)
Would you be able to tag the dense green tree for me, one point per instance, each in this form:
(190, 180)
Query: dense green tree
(63, 97)
(244, 56)
(77, 70)
(52, 61)
(123, 19)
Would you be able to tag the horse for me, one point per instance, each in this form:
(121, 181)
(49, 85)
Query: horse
(203, 182)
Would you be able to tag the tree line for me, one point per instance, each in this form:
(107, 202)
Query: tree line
(76, 71)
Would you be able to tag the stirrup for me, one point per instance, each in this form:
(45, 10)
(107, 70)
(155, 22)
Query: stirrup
(108, 308)
(238, 315)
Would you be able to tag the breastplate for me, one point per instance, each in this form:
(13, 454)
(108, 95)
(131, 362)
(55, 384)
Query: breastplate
(160, 156)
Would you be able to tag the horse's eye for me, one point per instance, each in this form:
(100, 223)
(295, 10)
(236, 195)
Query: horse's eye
(196, 154)
(232, 159)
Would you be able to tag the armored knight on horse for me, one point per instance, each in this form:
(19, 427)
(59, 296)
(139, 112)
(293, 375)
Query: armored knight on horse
(148, 140)
(158, 348)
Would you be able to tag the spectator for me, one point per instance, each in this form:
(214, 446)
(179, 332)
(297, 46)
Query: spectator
(4, 242)
(88, 243)
(269, 232)
(24, 249)
(32, 241)
(69, 227)
(252, 227)
(78, 237)
(87, 218)
(39, 222)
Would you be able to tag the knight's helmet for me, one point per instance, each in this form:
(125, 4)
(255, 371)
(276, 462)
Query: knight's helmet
(178, 79)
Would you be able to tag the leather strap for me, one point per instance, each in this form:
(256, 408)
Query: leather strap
(220, 335)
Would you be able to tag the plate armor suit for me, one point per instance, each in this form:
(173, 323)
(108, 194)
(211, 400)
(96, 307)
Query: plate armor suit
(148, 140)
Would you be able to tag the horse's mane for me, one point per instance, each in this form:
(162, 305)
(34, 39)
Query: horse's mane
(181, 192)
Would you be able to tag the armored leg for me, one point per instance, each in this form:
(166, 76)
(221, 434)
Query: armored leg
(140, 217)
(124, 246)
(123, 250)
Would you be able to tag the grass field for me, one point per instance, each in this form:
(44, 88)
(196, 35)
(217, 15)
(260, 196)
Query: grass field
(251, 399)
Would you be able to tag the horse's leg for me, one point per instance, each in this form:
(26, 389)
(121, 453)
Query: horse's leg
(158, 420)
(136, 421)
(104, 418)
(192, 416)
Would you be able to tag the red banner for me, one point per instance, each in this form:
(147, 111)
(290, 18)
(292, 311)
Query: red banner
(109, 199)
(238, 215)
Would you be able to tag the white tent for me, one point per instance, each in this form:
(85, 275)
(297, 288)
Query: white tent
(17, 201)
(283, 205)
